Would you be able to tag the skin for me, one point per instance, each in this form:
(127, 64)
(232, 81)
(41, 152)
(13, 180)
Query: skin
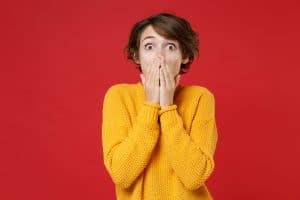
(160, 60)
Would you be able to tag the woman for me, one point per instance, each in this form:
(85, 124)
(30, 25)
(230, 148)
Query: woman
(158, 136)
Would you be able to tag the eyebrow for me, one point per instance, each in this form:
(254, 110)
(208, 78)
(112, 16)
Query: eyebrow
(148, 37)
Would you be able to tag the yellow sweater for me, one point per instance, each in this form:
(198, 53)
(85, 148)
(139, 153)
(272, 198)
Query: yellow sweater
(153, 153)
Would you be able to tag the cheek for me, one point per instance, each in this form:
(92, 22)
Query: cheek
(173, 59)
(173, 64)
(146, 61)
(146, 57)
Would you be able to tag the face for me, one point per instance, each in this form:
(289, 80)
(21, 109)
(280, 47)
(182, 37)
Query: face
(153, 45)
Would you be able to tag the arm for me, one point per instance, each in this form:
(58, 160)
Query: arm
(193, 159)
(126, 149)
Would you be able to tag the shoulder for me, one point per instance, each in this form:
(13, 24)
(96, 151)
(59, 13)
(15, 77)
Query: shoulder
(204, 101)
(119, 89)
(115, 88)
(197, 91)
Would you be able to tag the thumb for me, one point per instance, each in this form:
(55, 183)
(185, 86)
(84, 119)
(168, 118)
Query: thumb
(177, 78)
(142, 78)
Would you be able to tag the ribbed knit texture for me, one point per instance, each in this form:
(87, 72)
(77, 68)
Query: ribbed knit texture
(153, 153)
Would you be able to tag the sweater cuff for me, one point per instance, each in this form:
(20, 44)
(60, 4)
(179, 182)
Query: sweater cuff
(149, 113)
(169, 116)
(167, 108)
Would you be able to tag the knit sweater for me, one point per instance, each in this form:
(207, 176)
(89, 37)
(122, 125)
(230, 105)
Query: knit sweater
(154, 153)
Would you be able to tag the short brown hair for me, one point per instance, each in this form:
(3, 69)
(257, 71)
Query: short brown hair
(168, 26)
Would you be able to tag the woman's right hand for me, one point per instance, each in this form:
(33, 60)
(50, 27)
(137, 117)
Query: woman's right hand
(150, 80)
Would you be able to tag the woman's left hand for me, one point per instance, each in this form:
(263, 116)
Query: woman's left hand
(168, 84)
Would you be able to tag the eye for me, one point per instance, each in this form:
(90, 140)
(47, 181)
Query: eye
(171, 47)
(148, 46)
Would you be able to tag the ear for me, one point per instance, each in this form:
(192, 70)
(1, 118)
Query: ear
(186, 60)
(136, 60)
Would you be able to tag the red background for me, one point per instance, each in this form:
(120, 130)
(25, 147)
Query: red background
(59, 57)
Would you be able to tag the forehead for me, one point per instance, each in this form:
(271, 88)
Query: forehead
(149, 32)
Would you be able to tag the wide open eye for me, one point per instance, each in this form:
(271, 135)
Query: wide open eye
(148, 46)
(171, 47)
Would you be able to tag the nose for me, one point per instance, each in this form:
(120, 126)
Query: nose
(160, 52)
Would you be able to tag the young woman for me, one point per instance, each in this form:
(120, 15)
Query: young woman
(159, 137)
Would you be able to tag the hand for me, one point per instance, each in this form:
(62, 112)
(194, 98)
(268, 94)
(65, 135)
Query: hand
(150, 80)
(168, 84)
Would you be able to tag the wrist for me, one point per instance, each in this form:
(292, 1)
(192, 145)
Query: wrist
(164, 106)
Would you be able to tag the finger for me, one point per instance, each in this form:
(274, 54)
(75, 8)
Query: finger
(169, 78)
(163, 62)
(166, 78)
(148, 68)
(151, 75)
(147, 71)
(156, 73)
(156, 80)
(177, 78)
(169, 82)
(162, 78)
(143, 77)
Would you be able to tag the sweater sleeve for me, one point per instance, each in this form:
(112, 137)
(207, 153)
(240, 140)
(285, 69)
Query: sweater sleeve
(127, 149)
(193, 159)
